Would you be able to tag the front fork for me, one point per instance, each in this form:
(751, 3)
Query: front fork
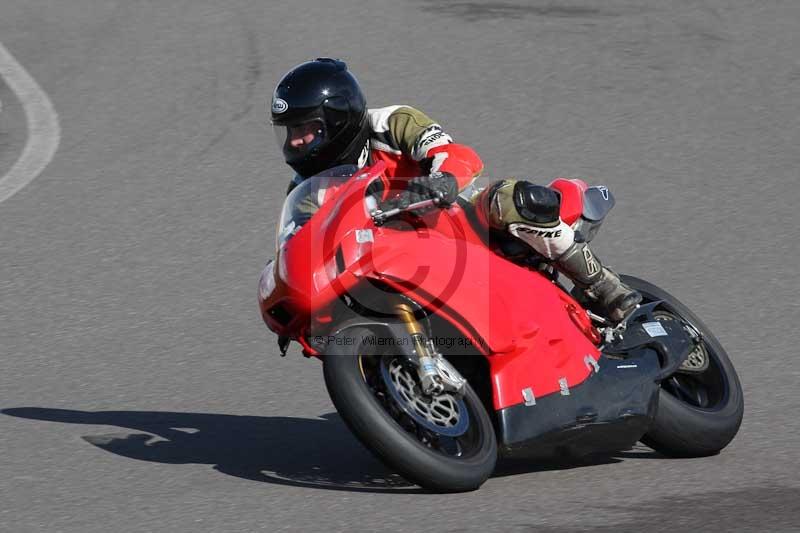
(436, 374)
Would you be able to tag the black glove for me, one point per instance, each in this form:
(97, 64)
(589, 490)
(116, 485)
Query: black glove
(441, 186)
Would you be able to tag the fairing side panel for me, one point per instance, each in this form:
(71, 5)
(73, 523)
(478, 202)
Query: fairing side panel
(518, 315)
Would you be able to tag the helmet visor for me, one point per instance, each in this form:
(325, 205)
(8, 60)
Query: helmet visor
(298, 139)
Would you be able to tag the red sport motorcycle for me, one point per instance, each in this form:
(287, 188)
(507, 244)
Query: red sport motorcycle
(441, 347)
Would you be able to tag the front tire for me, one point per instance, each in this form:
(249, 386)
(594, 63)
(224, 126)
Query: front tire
(353, 378)
(698, 414)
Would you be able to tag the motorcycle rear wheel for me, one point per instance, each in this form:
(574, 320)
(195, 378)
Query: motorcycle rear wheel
(352, 370)
(698, 413)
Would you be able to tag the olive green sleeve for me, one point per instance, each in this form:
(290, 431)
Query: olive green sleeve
(408, 126)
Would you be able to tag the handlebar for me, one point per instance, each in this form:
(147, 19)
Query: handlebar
(380, 217)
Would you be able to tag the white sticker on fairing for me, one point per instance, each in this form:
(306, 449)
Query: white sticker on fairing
(528, 396)
(654, 329)
(364, 235)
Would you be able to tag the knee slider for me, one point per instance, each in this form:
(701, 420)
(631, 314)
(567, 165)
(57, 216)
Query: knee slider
(537, 204)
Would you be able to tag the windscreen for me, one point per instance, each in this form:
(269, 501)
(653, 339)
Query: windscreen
(305, 199)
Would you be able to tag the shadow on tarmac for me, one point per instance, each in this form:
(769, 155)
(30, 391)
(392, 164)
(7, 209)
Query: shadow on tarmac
(312, 453)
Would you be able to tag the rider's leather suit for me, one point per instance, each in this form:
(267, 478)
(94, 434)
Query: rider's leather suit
(411, 144)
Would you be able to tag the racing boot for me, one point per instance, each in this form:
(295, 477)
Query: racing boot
(600, 285)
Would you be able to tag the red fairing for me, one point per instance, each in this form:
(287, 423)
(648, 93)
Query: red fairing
(534, 335)
(571, 197)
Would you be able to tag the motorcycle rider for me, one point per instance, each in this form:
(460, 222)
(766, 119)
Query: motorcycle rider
(321, 120)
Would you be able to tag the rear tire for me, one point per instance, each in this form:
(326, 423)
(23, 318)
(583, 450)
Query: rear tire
(698, 414)
(367, 414)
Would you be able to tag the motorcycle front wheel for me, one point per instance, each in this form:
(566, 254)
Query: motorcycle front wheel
(444, 443)
(700, 408)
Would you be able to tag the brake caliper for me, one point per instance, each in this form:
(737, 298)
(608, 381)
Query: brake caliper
(436, 374)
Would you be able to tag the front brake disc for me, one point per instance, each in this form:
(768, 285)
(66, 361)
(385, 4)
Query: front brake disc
(444, 414)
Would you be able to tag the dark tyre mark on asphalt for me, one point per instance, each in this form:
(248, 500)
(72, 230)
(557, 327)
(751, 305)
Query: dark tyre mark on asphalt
(768, 508)
(252, 74)
(474, 11)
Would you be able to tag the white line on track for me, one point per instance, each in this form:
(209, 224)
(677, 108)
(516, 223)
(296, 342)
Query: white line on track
(44, 132)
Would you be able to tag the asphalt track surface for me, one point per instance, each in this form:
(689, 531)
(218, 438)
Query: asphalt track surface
(140, 390)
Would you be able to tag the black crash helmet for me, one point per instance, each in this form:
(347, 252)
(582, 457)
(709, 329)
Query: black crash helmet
(319, 115)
